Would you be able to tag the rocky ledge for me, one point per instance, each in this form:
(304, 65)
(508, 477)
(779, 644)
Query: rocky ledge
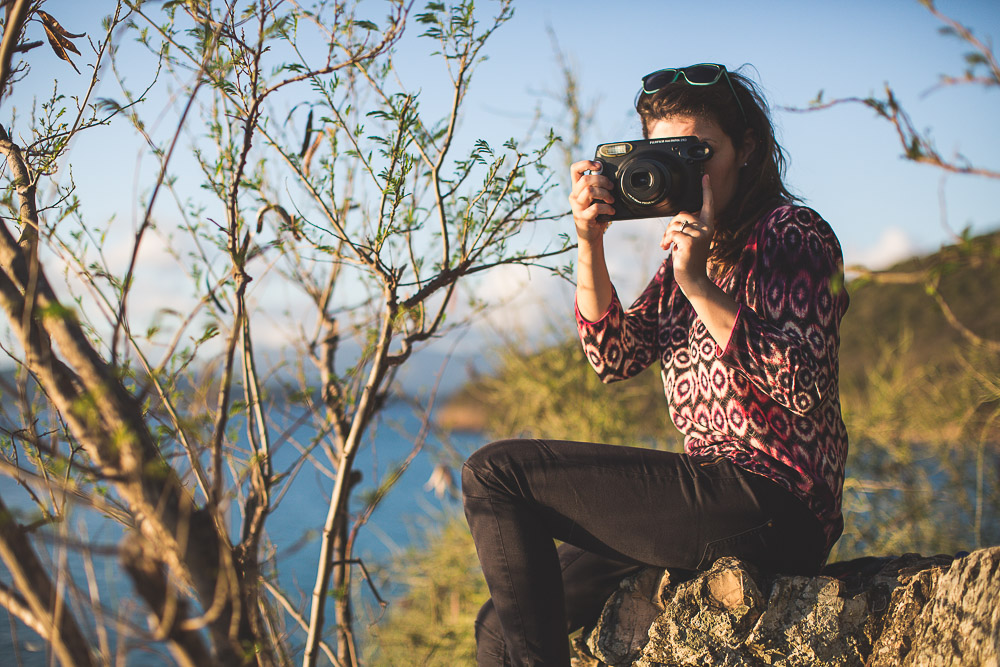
(876, 612)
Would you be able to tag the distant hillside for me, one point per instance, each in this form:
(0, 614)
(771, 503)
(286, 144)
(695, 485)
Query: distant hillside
(880, 314)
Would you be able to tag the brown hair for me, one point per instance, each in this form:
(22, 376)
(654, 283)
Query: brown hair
(761, 182)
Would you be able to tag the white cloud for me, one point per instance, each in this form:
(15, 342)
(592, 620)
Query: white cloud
(533, 303)
(523, 299)
(891, 246)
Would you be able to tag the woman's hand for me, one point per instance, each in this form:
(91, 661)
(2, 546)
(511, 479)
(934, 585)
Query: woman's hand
(690, 235)
(591, 197)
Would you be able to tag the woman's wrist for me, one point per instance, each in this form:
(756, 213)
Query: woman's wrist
(696, 287)
(589, 235)
(593, 284)
(716, 309)
(590, 246)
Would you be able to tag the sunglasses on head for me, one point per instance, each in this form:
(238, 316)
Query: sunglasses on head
(703, 74)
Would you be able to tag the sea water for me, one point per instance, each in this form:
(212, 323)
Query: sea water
(294, 528)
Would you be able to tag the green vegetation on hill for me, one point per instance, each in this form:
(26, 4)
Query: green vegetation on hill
(554, 393)
(883, 313)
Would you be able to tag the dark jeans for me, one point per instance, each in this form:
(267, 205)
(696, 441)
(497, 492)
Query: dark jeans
(617, 509)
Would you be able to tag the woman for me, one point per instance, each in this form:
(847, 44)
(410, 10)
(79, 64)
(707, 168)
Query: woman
(743, 316)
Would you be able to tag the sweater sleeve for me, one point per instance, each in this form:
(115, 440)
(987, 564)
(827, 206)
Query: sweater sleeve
(622, 343)
(787, 344)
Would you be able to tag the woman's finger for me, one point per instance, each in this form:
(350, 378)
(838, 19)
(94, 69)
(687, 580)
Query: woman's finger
(679, 226)
(596, 192)
(588, 190)
(707, 202)
(577, 168)
(599, 208)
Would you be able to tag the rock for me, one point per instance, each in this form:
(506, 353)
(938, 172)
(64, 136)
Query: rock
(706, 619)
(621, 630)
(809, 621)
(961, 622)
(898, 611)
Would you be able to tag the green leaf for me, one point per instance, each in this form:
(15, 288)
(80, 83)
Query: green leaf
(107, 105)
(57, 310)
(211, 331)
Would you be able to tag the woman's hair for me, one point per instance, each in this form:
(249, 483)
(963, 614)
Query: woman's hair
(761, 186)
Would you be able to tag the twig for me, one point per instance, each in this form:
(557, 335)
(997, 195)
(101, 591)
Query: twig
(926, 279)
(160, 177)
(297, 617)
(367, 577)
(16, 16)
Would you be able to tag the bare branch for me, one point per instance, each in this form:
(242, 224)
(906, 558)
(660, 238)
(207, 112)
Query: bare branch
(335, 517)
(967, 333)
(165, 162)
(983, 50)
(169, 610)
(17, 13)
(298, 618)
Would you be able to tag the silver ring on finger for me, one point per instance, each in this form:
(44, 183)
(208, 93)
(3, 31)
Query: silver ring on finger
(684, 224)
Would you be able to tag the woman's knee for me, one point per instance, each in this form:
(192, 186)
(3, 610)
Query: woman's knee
(490, 646)
(494, 466)
(475, 471)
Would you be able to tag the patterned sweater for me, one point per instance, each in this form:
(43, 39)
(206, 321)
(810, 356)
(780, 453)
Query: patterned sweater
(770, 400)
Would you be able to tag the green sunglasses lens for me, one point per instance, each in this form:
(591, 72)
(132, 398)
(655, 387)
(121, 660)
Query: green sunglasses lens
(653, 82)
(702, 75)
(696, 75)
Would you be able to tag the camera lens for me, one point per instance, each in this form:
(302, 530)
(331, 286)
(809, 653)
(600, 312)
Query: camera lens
(645, 181)
(640, 180)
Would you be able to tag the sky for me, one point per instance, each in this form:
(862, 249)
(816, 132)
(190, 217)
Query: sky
(845, 162)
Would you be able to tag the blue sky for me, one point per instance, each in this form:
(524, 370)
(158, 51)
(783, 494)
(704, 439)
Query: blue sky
(844, 162)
